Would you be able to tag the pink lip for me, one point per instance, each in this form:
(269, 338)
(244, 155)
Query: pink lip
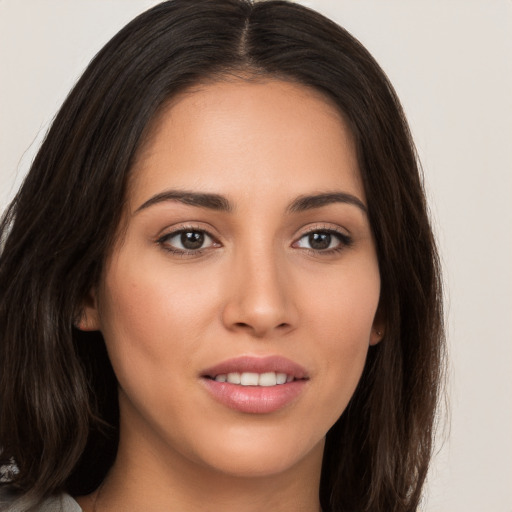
(256, 399)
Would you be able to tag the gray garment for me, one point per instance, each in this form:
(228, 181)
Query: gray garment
(13, 502)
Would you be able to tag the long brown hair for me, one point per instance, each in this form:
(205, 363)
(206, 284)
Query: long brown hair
(58, 397)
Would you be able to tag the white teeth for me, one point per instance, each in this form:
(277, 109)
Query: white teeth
(280, 378)
(266, 379)
(249, 379)
(234, 378)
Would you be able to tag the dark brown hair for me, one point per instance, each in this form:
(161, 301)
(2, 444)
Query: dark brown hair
(58, 397)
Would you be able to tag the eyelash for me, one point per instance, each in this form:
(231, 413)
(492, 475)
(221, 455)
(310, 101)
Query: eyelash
(163, 241)
(344, 240)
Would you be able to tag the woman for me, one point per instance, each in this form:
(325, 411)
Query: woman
(219, 286)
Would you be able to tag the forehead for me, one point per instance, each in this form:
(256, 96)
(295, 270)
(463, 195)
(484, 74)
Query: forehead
(233, 136)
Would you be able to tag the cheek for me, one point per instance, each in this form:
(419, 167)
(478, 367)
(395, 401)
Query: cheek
(343, 304)
(342, 317)
(153, 324)
(144, 303)
(151, 321)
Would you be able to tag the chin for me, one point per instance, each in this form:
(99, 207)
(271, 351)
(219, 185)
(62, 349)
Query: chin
(261, 454)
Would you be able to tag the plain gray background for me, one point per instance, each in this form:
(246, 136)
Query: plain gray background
(451, 64)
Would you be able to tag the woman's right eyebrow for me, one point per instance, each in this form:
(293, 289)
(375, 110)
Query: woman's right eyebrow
(201, 199)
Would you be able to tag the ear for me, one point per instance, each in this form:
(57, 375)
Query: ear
(378, 327)
(89, 318)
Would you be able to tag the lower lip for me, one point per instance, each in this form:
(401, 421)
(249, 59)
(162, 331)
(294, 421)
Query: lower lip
(255, 399)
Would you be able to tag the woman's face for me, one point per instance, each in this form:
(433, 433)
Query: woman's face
(247, 261)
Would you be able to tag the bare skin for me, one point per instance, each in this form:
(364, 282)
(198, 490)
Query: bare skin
(245, 235)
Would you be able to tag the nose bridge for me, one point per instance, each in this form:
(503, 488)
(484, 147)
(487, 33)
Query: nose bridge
(260, 300)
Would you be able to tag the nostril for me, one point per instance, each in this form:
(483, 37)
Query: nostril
(247, 326)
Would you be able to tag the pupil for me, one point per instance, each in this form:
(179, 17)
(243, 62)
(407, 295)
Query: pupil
(319, 240)
(192, 239)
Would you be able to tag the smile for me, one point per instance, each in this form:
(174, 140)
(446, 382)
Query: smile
(266, 379)
(256, 385)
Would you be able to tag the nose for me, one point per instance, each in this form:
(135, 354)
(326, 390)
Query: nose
(260, 301)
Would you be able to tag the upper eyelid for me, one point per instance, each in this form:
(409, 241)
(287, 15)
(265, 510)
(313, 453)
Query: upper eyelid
(325, 228)
(345, 237)
(332, 228)
(180, 228)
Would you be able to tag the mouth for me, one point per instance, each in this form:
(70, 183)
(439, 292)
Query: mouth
(267, 379)
(256, 385)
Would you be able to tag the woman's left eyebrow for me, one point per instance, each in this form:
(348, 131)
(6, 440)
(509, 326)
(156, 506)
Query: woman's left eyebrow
(310, 202)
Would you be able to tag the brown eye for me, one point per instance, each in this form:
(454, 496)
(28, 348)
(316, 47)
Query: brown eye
(186, 241)
(319, 241)
(323, 241)
(192, 240)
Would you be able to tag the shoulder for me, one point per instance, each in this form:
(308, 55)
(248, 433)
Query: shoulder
(11, 501)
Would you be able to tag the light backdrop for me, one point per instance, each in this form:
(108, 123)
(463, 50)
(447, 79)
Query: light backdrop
(451, 64)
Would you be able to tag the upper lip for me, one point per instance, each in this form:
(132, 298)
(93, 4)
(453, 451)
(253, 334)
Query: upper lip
(278, 364)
